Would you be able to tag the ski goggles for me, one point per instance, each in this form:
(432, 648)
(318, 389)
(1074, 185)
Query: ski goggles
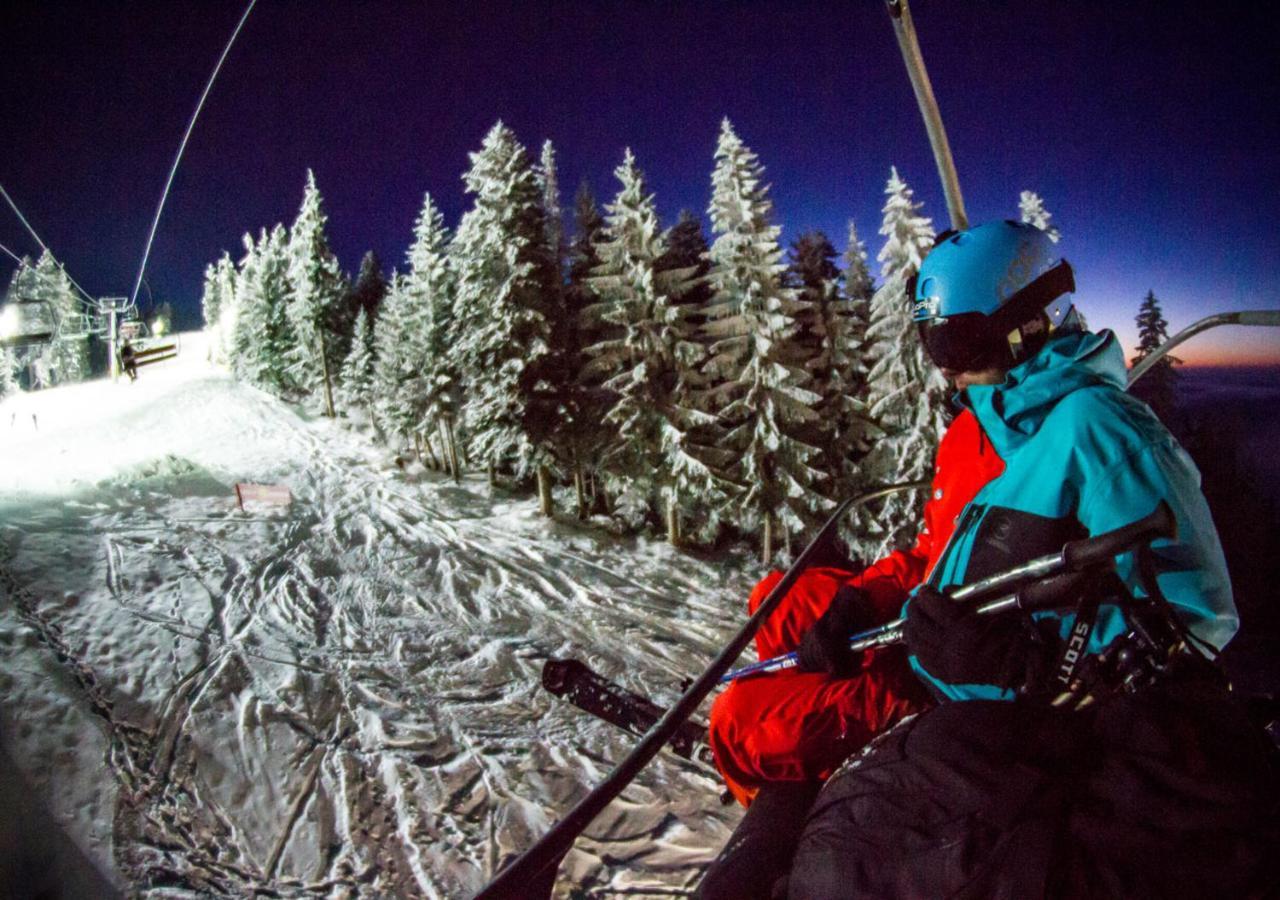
(971, 342)
(964, 343)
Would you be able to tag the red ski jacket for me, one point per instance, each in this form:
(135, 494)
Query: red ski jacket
(792, 725)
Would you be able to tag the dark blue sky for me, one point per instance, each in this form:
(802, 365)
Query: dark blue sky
(1149, 128)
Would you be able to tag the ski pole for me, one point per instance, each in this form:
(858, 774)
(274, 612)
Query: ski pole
(532, 873)
(1044, 591)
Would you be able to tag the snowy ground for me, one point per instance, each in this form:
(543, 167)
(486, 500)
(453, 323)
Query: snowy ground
(340, 699)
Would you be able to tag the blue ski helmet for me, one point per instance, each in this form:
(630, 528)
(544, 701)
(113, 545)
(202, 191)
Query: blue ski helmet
(981, 295)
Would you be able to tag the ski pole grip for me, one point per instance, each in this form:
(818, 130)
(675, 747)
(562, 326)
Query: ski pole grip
(1089, 552)
(1053, 592)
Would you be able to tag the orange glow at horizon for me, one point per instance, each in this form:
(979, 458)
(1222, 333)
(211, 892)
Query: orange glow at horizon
(1221, 353)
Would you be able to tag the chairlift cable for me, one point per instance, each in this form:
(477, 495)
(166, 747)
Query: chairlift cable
(15, 256)
(164, 195)
(43, 245)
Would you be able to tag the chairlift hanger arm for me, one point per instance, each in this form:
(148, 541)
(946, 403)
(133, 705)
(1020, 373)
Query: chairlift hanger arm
(1244, 317)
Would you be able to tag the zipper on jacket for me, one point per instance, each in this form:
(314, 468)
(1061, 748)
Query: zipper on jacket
(971, 514)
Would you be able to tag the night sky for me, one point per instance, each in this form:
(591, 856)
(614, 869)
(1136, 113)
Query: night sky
(1150, 129)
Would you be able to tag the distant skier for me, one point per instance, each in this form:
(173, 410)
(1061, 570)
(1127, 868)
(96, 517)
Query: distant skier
(1048, 448)
(129, 360)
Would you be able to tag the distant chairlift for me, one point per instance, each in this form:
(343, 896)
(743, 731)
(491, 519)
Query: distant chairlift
(27, 322)
(147, 348)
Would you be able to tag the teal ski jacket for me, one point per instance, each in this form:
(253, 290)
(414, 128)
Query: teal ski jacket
(1083, 457)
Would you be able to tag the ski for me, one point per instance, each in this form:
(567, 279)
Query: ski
(634, 713)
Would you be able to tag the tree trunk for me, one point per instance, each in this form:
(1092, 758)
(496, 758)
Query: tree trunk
(767, 548)
(544, 491)
(580, 487)
(493, 474)
(417, 446)
(328, 386)
(446, 446)
(673, 522)
(431, 452)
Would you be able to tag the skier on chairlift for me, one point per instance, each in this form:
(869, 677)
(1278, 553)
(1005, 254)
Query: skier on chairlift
(1047, 448)
(129, 360)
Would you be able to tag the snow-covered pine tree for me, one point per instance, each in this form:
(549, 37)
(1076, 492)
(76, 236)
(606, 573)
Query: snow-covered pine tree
(23, 284)
(687, 249)
(263, 335)
(428, 292)
(355, 390)
(693, 430)
(636, 361)
(762, 394)
(506, 279)
(556, 374)
(223, 329)
(549, 182)
(317, 286)
(859, 431)
(394, 398)
(586, 433)
(210, 298)
(831, 336)
(1158, 387)
(8, 373)
(67, 358)
(250, 318)
(907, 395)
(368, 289)
(1032, 210)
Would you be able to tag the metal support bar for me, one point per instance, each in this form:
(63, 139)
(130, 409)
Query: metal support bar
(905, 30)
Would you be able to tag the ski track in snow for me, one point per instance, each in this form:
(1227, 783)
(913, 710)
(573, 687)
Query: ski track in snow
(341, 699)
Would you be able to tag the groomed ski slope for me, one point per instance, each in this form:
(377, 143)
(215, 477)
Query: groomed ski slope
(337, 699)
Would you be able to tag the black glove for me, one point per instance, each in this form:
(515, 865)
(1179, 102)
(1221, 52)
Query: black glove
(825, 646)
(958, 646)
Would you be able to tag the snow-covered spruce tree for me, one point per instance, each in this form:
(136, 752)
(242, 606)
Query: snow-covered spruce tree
(316, 289)
(67, 358)
(690, 437)
(1158, 387)
(216, 304)
(210, 298)
(24, 284)
(223, 330)
(8, 373)
(687, 249)
(1032, 210)
(859, 432)
(831, 337)
(762, 394)
(428, 290)
(556, 376)
(369, 288)
(549, 183)
(394, 400)
(355, 389)
(263, 334)
(586, 432)
(907, 395)
(637, 361)
(506, 281)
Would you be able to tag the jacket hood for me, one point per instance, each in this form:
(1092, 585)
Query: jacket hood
(1012, 412)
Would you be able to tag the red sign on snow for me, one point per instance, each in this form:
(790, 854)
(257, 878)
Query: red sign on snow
(267, 494)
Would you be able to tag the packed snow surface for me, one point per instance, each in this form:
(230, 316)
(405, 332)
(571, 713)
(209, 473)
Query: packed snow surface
(340, 697)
